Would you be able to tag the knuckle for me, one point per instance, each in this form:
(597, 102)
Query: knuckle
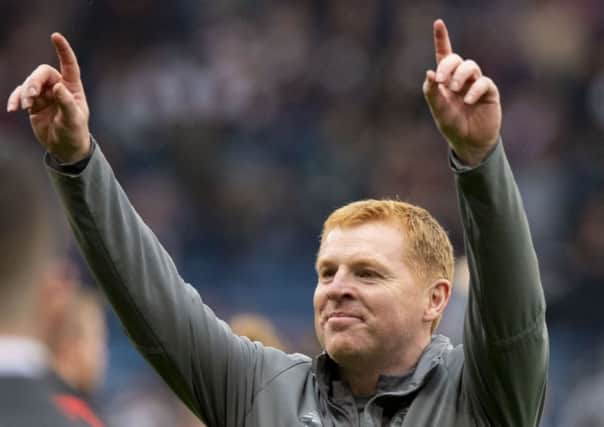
(478, 85)
(451, 60)
(41, 68)
(44, 70)
(472, 66)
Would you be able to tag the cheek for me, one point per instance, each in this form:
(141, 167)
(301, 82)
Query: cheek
(404, 305)
(318, 300)
(318, 303)
(96, 357)
(414, 307)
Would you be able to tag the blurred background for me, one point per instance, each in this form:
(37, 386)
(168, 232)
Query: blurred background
(236, 126)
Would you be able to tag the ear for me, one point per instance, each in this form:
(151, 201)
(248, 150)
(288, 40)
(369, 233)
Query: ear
(438, 294)
(55, 293)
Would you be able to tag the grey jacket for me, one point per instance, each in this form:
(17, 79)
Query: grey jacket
(496, 379)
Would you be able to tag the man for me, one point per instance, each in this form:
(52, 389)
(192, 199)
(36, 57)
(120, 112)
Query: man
(28, 276)
(384, 271)
(78, 348)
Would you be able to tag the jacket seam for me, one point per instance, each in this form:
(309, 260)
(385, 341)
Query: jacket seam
(123, 283)
(158, 348)
(510, 341)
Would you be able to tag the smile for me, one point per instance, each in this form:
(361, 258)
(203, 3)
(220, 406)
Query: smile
(343, 316)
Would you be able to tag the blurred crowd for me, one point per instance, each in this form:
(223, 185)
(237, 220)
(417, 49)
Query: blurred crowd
(236, 126)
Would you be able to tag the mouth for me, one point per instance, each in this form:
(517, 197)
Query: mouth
(343, 316)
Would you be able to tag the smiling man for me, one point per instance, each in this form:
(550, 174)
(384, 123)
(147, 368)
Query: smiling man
(384, 278)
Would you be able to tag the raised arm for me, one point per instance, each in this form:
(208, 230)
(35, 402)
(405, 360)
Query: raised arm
(505, 337)
(212, 370)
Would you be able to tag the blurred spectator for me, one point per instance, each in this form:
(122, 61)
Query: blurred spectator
(78, 347)
(27, 278)
(257, 328)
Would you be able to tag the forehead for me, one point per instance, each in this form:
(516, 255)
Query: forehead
(384, 241)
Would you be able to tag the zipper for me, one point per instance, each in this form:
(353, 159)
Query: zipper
(341, 411)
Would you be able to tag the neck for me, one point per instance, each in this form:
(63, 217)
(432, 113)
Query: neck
(362, 376)
(65, 371)
(23, 327)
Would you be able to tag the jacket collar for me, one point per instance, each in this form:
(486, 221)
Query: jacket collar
(325, 370)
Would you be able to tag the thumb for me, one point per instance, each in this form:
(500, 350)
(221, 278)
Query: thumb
(65, 101)
(430, 87)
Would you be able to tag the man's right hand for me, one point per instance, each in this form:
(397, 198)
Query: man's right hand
(57, 105)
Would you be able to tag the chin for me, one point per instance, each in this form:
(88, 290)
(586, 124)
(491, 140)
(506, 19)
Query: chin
(341, 348)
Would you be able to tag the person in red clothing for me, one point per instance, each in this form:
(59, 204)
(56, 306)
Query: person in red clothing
(78, 345)
(28, 277)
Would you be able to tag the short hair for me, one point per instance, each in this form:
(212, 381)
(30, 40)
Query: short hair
(430, 253)
(257, 328)
(25, 230)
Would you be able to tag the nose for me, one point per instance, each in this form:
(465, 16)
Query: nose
(341, 287)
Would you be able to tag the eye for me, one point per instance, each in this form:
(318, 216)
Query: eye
(327, 273)
(367, 274)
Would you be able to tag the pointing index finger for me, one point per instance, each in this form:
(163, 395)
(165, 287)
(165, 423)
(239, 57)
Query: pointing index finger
(70, 70)
(442, 43)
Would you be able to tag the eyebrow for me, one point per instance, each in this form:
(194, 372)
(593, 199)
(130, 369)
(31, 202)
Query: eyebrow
(360, 261)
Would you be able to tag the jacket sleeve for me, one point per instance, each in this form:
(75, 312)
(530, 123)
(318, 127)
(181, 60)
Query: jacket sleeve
(505, 336)
(212, 370)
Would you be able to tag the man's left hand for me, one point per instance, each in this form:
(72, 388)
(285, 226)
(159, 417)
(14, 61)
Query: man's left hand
(464, 103)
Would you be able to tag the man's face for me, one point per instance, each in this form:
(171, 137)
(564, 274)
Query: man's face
(367, 303)
(90, 347)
